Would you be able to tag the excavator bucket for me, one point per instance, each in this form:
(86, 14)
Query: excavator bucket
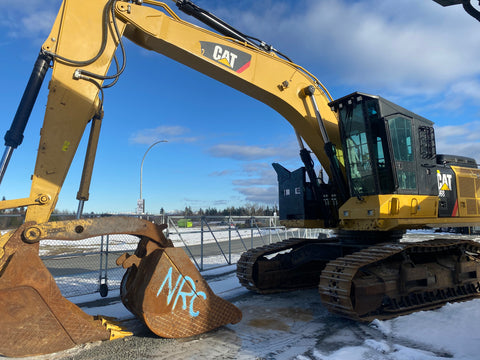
(34, 316)
(165, 290)
(161, 286)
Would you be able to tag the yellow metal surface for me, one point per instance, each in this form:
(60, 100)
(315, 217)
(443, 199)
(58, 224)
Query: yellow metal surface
(88, 228)
(87, 172)
(10, 204)
(3, 240)
(468, 191)
(76, 35)
(387, 212)
(395, 212)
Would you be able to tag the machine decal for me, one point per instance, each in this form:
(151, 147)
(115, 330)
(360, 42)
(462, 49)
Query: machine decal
(444, 183)
(447, 193)
(455, 209)
(230, 57)
(188, 297)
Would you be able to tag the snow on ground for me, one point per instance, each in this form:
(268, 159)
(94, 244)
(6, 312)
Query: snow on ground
(296, 326)
(454, 329)
(450, 332)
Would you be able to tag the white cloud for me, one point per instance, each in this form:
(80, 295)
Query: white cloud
(26, 5)
(284, 151)
(28, 18)
(463, 89)
(242, 152)
(258, 183)
(170, 133)
(39, 22)
(463, 140)
(265, 195)
(255, 168)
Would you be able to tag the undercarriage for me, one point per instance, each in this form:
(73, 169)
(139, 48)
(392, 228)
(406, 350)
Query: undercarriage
(369, 281)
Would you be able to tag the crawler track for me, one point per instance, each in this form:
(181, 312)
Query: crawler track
(264, 276)
(382, 281)
(246, 265)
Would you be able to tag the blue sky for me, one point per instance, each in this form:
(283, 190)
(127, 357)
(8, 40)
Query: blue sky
(221, 143)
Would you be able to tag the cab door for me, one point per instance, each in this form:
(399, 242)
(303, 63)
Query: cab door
(403, 150)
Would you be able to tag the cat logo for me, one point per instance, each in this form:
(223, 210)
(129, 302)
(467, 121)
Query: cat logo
(230, 57)
(444, 181)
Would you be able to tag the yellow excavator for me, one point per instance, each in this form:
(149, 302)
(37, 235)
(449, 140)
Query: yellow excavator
(384, 176)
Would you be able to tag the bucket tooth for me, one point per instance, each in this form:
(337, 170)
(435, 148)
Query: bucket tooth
(116, 327)
(169, 295)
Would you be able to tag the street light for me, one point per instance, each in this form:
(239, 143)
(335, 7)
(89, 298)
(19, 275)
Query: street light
(141, 201)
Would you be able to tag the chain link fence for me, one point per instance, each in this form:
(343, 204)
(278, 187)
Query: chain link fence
(88, 266)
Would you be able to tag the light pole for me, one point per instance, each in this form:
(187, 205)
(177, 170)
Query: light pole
(141, 201)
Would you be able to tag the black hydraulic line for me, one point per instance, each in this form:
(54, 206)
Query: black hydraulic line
(222, 27)
(337, 175)
(214, 22)
(309, 167)
(14, 136)
(318, 190)
(326, 212)
(109, 7)
(330, 150)
(103, 45)
(115, 77)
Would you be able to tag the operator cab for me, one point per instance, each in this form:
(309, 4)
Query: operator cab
(388, 149)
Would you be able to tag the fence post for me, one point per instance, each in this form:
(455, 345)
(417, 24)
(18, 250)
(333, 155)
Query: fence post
(251, 232)
(270, 230)
(201, 242)
(229, 242)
